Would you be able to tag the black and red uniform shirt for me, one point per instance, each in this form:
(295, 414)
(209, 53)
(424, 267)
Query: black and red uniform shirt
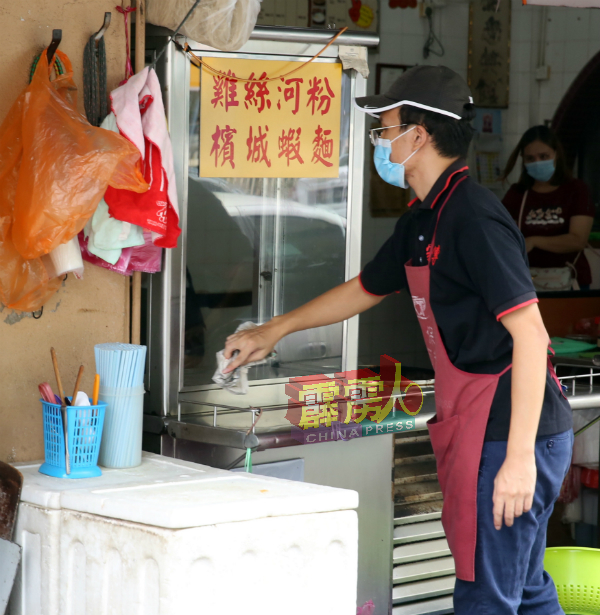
(550, 214)
(479, 273)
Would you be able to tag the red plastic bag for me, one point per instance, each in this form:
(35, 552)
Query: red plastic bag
(54, 169)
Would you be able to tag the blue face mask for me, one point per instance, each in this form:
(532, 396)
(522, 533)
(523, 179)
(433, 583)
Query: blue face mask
(390, 172)
(542, 170)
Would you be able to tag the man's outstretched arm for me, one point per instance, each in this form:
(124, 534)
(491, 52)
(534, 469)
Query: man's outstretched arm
(337, 304)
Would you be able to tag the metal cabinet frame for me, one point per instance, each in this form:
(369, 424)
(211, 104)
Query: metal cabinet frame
(167, 290)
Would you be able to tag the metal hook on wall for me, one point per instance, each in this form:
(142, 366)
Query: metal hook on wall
(56, 38)
(104, 28)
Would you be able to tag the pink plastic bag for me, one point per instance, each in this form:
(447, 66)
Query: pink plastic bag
(119, 267)
(146, 258)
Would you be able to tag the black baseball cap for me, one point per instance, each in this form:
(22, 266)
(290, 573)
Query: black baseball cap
(433, 88)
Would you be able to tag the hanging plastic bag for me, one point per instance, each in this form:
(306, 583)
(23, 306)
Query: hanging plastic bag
(146, 258)
(224, 24)
(64, 166)
(54, 168)
(24, 285)
(119, 267)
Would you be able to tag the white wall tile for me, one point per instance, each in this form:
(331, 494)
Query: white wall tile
(522, 118)
(577, 25)
(455, 21)
(556, 88)
(594, 17)
(556, 26)
(390, 20)
(456, 56)
(520, 27)
(520, 56)
(412, 49)
(390, 49)
(555, 56)
(525, 84)
(576, 55)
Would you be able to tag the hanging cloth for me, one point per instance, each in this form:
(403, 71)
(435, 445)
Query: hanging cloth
(106, 235)
(140, 115)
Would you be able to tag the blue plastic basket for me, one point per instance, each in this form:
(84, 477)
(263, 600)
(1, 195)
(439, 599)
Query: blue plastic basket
(84, 425)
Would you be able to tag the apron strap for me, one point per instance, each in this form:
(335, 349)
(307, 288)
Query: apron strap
(462, 179)
(522, 207)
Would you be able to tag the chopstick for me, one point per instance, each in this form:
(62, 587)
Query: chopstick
(61, 392)
(63, 410)
(77, 383)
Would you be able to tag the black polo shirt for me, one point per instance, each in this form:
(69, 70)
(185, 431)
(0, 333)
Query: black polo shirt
(479, 273)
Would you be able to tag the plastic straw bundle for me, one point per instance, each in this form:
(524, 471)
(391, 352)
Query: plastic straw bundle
(121, 369)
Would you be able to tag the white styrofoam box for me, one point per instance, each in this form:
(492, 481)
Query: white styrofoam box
(294, 564)
(173, 537)
(171, 493)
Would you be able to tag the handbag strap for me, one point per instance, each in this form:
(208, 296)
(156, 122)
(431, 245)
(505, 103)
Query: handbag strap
(522, 207)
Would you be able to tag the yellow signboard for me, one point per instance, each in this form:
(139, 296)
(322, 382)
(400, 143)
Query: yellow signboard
(288, 127)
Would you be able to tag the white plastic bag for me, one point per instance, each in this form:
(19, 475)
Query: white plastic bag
(223, 24)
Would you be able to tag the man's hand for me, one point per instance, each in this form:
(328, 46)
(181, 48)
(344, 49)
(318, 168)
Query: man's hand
(253, 344)
(514, 487)
(339, 303)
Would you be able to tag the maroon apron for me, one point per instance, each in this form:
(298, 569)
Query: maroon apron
(457, 431)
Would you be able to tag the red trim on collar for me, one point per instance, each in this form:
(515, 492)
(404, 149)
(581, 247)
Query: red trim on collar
(465, 168)
(413, 201)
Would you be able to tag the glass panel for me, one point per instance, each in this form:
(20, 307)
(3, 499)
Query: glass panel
(260, 247)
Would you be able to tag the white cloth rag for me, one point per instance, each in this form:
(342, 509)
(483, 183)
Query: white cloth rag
(236, 381)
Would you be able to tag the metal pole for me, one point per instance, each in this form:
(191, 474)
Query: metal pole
(140, 62)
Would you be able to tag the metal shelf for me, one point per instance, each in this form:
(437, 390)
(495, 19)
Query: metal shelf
(432, 588)
(420, 551)
(419, 571)
(428, 530)
(439, 606)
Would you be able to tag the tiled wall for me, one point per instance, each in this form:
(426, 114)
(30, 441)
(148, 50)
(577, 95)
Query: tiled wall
(572, 38)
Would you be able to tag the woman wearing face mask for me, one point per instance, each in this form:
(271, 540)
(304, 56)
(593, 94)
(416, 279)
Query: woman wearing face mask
(553, 210)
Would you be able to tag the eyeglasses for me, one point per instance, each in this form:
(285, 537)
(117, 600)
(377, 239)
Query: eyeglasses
(373, 132)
